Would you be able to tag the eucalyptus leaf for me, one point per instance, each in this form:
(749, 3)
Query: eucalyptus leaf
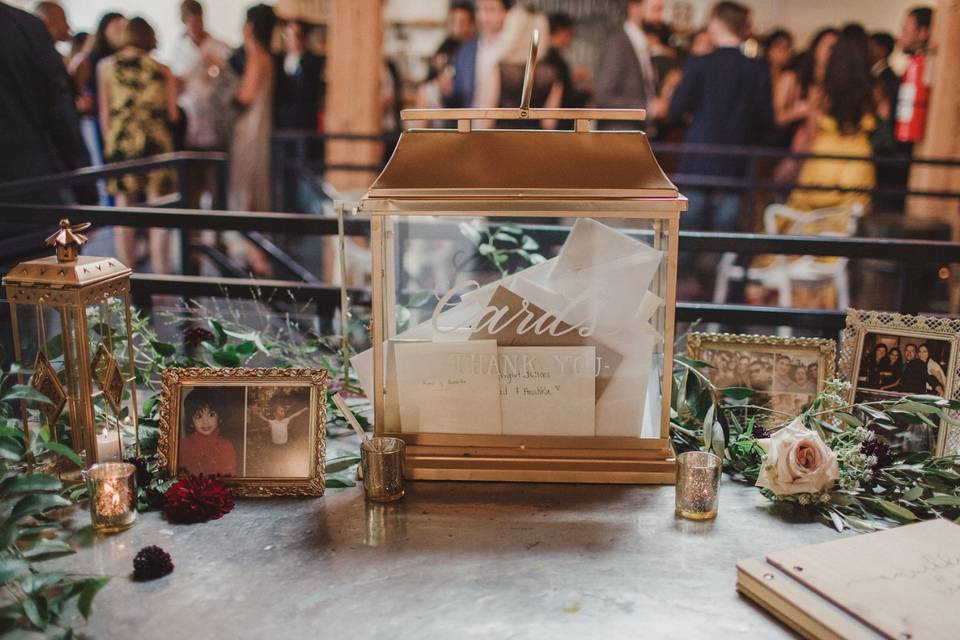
(913, 493)
(470, 233)
(848, 419)
(11, 449)
(46, 549)
(29, 483)
(25, 392)
(65, 451)
(943, 501)
(11, 568)
(339, 464)
(90, 589)
(31, 609)
(36, 504)
(163, 349)
(339, 483)
(837, 521)
(895, 511)
(226, 358)
(737, 393)
(708, 428)
(690, 362)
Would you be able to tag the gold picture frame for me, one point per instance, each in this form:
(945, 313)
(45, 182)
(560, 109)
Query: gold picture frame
(764, 354)
(864, 326)
(281, 388)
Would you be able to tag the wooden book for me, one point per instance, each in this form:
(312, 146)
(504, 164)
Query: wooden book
(901, 583)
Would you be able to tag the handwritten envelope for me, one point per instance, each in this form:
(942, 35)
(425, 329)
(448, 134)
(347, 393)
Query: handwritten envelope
(448, 387)
(547, 390)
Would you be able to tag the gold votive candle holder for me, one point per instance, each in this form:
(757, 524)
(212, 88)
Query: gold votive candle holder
(698, 485)
(381, 460)
(113, 496)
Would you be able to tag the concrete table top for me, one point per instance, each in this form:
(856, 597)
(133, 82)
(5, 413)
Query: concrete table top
(461, 560)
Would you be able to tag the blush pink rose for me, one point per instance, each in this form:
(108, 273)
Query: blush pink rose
(797, 461)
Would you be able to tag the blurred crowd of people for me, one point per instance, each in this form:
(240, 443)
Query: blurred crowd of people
(720, 85)
(111, 100)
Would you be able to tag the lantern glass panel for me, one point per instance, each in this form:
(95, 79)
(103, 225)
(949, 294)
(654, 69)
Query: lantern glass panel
(513, 325)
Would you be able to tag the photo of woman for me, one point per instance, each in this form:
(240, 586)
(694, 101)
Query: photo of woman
(895, 365)
(211, 439)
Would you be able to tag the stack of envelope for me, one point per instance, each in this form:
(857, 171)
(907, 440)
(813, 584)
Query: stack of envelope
(562, 348)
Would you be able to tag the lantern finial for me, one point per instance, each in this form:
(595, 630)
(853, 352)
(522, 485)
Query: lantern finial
(68, 240)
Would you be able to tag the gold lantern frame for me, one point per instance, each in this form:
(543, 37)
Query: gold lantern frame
(500, 173)
(70, 284)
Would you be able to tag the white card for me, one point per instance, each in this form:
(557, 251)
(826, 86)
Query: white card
(448, 387)
(547, 391)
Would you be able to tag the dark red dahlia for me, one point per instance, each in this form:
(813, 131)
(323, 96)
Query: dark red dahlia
(194, 335)
(759, 433)
(197, 499)
(879, 449)
(151, 562)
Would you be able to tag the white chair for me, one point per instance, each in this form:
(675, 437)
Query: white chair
(783, 271)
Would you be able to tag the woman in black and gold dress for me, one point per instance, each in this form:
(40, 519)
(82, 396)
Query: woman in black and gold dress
(138, 102)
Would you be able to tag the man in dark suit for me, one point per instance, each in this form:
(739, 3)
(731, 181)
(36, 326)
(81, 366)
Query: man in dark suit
(297, 97)
(727, 99)
(887, 84)
(625, 76)
(39, 128)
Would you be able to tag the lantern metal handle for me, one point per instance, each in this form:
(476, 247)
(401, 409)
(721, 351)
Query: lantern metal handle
(528, 74)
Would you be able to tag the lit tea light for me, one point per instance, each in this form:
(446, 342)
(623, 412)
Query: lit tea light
(113, 496)
(698, 484)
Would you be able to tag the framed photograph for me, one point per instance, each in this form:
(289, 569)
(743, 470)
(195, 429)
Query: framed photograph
(260, 430)
(885, 356)
(786, 373)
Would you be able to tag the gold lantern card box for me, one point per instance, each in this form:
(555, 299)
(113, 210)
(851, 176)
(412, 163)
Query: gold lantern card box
(71, 316)
(523, 301)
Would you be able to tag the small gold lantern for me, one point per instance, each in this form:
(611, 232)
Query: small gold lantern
(71, 323)
(523, 299)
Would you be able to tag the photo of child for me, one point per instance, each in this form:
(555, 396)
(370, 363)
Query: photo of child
(211, 438)
(278, 432)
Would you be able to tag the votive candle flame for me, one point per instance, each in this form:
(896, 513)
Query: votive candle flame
(698, 484)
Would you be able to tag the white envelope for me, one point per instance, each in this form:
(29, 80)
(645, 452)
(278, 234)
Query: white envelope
(448, 387)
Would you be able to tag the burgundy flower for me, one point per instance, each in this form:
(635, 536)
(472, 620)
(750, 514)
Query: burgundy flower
(197, 499)
(879, 449)
(150, 563)
(194, 335)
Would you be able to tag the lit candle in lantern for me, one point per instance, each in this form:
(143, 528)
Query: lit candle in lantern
(108, 446)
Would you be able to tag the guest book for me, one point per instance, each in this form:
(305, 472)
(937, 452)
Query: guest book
(901, 583)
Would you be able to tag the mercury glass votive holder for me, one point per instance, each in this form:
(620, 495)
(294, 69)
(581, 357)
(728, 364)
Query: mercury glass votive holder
(698, 485)
(381, 460)
(113, 496)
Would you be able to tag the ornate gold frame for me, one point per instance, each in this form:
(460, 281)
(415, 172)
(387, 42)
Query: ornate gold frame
(171, 385)
(860, 323)
(825, 348)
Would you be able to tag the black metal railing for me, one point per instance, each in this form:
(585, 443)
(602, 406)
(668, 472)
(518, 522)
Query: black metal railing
(911, 255)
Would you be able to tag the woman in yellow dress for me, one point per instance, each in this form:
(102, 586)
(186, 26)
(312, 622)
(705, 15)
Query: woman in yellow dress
(138, 102)
(842, 127)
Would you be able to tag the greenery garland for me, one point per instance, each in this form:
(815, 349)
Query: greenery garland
(876, 488)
